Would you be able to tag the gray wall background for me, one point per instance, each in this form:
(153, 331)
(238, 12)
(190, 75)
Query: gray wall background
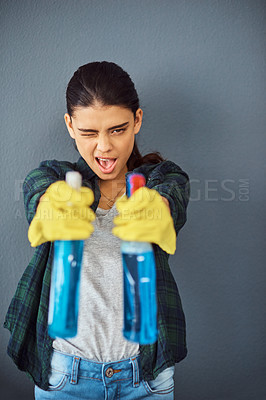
(199, 68)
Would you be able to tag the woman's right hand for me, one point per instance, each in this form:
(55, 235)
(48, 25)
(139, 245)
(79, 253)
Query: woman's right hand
(63, 213)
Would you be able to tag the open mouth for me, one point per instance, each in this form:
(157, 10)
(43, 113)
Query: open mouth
(106, 164)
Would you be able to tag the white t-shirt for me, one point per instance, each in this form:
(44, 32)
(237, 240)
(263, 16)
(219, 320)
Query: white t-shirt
(100, 321)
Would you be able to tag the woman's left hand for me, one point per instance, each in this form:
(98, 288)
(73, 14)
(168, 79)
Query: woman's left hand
(145, 217)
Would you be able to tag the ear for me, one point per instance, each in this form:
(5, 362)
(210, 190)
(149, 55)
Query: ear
(138, 120)
(69, 126)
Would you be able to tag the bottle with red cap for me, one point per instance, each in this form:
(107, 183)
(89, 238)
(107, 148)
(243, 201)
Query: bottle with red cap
(139, 269)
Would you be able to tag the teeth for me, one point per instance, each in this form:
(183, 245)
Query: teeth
(106, 162)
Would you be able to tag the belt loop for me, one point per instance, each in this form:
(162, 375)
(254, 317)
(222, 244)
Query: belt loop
(74, 371)
(135, 366)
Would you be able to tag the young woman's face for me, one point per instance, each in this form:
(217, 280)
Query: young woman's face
(106, 132)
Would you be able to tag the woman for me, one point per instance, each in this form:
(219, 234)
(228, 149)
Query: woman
(103, 117)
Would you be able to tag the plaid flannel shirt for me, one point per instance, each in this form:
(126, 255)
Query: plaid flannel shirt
(29, 346)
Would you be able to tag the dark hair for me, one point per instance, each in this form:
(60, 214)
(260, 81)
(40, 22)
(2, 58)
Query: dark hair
(108, 84)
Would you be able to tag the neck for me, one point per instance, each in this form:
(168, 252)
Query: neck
(112, 188)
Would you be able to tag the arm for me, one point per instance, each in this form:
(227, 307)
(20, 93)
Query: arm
(34, 187)
(169, 184)
(38, 180)
(173, 185)
(166, 202)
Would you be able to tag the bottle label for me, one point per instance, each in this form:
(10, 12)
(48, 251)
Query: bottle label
(140, 305)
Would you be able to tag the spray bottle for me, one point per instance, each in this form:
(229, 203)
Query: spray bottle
(65, 280)
(139, 270)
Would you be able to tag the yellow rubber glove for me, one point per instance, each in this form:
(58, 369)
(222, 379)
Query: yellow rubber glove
(62, 214)
(144, 217)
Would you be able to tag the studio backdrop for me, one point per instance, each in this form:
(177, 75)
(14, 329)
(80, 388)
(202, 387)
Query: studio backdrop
(199, 69)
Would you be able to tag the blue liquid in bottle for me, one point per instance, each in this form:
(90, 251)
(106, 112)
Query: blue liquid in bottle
(139, 269)
(65, 281)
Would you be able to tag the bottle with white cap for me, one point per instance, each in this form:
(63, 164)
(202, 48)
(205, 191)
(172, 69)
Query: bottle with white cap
(65, 280)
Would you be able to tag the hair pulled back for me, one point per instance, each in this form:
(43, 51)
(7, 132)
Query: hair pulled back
(109, 85)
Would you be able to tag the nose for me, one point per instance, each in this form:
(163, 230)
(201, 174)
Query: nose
(104, 144)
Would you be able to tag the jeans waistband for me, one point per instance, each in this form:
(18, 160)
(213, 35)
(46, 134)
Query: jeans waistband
(109, 372)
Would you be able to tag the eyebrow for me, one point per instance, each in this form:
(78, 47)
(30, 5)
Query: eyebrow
(113, 127)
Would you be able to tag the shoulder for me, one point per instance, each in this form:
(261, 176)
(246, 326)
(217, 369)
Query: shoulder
(57, 166)
(48, 170)
(161, 171)
(166, 167)
(55, 169)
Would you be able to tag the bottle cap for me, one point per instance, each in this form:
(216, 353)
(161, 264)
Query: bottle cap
(134, 182)
(74, 179)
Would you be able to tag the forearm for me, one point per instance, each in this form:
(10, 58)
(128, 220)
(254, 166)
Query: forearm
(166, 202)
(34, 186)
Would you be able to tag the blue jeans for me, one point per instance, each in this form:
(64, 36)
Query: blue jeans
(72, 377)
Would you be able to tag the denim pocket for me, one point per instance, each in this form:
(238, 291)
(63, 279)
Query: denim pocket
(57, 380)
(163, 392)
(163, 384)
